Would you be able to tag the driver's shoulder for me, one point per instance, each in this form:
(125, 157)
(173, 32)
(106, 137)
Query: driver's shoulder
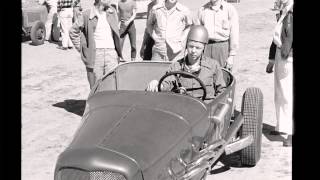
(209, 63)
(176, 65)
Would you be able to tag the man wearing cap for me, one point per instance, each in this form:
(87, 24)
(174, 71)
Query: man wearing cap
(168, 24)
(222, 21)
(202, 67)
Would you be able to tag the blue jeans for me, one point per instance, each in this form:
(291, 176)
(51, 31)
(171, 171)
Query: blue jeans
(106, 59)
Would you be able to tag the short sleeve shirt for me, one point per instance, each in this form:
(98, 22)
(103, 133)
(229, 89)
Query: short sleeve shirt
(222, 23)
(168, 26)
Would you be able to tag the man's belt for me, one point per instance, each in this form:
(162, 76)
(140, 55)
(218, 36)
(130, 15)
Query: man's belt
(66, 7)
(214, 42)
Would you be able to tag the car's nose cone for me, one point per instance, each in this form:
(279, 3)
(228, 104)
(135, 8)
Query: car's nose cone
(145, 134)
(141, 133)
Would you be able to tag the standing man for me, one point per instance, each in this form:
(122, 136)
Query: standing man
(148, 42)
(76, 10)
(222, 21)
(168, 24)
(96, 36)
(65, 11)
(283, 73)
(52, 9)
(127, 14)
(278, 6)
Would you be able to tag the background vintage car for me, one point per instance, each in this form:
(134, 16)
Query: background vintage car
(33, 24)
(128, 133)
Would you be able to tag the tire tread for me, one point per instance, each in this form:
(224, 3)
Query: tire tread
(252, 110)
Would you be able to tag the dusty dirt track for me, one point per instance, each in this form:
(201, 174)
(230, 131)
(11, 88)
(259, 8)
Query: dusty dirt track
(54, 90)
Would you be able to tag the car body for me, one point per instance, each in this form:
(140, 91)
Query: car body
(129, 133)
(33, 24)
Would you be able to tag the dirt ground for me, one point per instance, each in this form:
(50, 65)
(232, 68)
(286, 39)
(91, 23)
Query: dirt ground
(55, 87)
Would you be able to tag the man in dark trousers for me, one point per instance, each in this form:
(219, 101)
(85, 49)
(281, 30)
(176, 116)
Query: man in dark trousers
(127, 14)
(147, 42)
(222, 21)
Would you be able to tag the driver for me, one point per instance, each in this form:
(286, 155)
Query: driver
(204, 68)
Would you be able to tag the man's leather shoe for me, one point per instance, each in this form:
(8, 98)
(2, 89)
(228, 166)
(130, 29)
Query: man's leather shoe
(62, 48)
(288, 142)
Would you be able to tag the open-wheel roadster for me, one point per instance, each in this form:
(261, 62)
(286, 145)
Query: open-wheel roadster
(128, 133)
(33, 24)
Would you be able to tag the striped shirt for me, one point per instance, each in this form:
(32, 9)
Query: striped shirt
(65, 4)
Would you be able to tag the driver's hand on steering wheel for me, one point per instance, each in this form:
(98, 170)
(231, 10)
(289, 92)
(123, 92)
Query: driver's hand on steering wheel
(153, 86)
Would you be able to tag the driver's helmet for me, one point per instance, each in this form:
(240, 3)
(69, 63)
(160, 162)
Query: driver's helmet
(198, 33)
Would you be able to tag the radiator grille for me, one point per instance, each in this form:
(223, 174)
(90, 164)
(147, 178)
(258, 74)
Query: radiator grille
(106, 175)
(75, 174)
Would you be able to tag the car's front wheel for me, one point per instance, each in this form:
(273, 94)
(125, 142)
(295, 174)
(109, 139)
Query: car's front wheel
(38, 33)
(252, 111)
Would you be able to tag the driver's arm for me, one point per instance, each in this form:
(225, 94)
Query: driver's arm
(219, 83)
(167, 84)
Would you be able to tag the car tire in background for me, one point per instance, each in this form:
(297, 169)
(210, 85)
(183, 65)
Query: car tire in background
(55, 32)
(38, 33)
(252, 111)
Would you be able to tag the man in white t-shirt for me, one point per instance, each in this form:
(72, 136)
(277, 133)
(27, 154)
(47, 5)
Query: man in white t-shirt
(95, 34)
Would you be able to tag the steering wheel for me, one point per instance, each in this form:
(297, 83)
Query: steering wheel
(180, 89)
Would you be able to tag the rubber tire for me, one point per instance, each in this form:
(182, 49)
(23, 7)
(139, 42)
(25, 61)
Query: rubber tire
(38, 29)
(55, 32)
(252, 111)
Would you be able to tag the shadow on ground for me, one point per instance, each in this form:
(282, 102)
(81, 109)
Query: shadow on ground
(228, 161)
(266, 129)
(25, 39)
(233, 160)
(72, 105)
(59, 43)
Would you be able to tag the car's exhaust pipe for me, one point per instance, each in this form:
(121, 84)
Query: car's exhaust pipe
(212, 152)
(238, 145)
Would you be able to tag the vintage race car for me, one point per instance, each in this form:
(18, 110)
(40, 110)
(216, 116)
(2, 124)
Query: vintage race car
(128, 133)
(33, 24)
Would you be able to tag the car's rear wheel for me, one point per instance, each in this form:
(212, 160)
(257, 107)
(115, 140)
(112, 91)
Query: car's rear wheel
(38, 33)
(252, 111)
(55, 32)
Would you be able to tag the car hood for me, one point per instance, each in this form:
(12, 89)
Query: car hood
(139, 125)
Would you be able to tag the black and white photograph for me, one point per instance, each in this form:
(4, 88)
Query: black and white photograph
(157, 89)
